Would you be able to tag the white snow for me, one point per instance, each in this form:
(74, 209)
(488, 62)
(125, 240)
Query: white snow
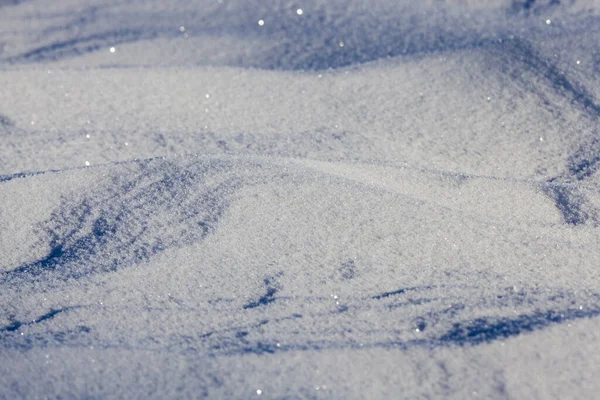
(319, 199)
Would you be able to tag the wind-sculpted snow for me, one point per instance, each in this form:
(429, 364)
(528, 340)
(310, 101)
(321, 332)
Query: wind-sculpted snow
(112, 226)
(312, 199)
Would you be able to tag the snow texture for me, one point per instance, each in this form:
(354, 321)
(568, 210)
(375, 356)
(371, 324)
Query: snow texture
(299, 199)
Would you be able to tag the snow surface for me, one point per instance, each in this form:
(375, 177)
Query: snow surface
(365, 199)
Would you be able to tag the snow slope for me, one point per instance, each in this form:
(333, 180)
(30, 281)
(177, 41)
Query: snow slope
(356, 200)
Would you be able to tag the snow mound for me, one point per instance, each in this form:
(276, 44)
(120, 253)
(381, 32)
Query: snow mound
(319, 199)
